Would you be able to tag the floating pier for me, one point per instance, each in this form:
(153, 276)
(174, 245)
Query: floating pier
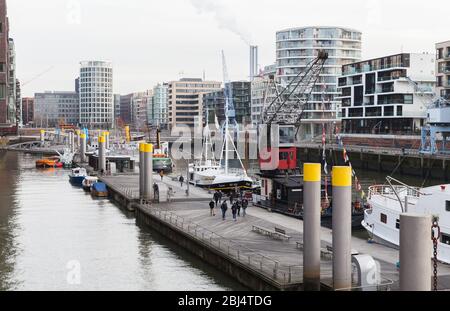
(263, 251)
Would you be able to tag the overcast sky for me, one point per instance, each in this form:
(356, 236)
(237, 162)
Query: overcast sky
(151, 41)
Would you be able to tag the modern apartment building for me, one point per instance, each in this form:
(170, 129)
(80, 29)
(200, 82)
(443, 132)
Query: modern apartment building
(186, 100)
(297, 47)
(443, 69)
(158, 109)
(9, 116)
(387, 95)
(134, 109)
(126, 109)
(96, 95)
(214, 102)
(54, 108)
(262, 92)
(139, 106)
(214, 106)
(27, 110)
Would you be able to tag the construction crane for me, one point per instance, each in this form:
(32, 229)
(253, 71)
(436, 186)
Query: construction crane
(230, 111)
(289, 104)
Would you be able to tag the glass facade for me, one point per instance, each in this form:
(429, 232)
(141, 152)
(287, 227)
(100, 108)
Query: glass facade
(297, 48)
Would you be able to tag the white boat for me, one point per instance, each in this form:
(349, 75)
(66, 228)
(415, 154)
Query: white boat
(203, 175)
(387, 202)
(77, 175)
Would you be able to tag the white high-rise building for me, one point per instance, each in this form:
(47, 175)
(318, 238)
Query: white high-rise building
(297, 47)
(96, 95)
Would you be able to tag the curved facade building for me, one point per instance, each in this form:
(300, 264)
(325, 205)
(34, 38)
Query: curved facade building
(297, 47)
(96, 95)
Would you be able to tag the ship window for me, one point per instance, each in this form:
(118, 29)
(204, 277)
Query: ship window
(384, 218)
(397, 225)
(447, 206)
(445, 239)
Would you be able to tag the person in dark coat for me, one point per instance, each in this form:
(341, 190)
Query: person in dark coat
(224, 208)
(216, 198)
(231, 197)
(234, 209)
(238, 205)
(212, 205)
(244, 207)
(181, 181)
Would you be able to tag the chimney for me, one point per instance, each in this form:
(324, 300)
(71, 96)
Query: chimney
(253, 62)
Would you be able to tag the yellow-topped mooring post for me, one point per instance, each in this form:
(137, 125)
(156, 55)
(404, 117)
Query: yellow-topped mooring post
(83, 148)
(127, 134)
(107, 141)
(141, 170)
(101, 155)
(311, 223)
(78, 133)
(342, 227)
(72, 142)
(148, 172)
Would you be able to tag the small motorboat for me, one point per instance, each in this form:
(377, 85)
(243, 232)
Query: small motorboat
(77, 176)
(88, 182)
(51, 162)
(99, 190)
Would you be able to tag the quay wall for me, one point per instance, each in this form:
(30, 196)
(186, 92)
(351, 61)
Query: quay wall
(245, 275)
(388, 161)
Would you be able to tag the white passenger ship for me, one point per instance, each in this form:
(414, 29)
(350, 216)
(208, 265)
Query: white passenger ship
(387, 202)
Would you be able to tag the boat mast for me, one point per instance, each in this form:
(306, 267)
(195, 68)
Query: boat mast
(226, 95)
(206, 133)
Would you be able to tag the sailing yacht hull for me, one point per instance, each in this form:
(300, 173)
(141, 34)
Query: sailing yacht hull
(231, 182)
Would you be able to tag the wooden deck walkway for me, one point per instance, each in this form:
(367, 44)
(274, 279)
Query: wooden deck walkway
(281, 261)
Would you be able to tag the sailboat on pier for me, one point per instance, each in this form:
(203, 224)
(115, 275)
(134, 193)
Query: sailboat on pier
(219, 176)
(203, 173)
(230, 179)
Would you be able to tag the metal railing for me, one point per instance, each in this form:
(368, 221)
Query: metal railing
(383, 285)
(269, 267)
(387, 191)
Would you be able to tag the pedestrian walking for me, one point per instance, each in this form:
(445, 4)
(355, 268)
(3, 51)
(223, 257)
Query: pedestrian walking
(220, 196)
(216, 198)
(231, 197)
(234, 211)
(181, 181)
(211, 207)
(244, 207)
(239, 205)
(224, 208)
(161, 173)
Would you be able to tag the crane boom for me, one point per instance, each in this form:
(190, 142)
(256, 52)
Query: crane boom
(289, 103)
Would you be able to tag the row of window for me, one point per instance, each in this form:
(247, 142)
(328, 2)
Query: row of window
(445, 238)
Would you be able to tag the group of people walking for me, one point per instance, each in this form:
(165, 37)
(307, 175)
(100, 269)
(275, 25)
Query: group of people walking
(236, 205)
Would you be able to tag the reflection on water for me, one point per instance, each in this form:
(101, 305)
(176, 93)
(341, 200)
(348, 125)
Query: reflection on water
(56, 237)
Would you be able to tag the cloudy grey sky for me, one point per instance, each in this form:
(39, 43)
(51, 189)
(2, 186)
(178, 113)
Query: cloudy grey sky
(151, 41)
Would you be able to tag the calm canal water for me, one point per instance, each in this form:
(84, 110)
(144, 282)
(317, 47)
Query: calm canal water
(56, 237)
